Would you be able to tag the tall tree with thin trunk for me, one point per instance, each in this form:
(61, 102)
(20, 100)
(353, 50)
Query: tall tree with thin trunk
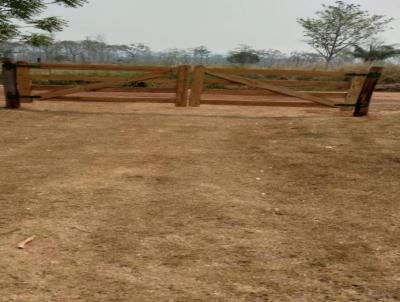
(339, 27)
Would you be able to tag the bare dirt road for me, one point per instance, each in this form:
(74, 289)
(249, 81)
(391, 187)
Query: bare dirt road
(154, 203)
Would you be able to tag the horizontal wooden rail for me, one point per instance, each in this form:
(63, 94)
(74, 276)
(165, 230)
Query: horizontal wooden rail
(110, 67)
(100, 85)
(114, 100)
(261, 103)
(294, 84)
(274, 88)
(91, 78)
(248, 92)
(280, 72)
(113, 89)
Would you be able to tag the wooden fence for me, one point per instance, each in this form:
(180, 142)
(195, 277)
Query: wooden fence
(315, 88)
(24, 82)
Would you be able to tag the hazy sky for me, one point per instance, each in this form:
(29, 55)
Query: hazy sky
(219, 24)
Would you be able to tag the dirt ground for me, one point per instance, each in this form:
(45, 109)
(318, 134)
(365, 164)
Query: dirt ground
(157, 203)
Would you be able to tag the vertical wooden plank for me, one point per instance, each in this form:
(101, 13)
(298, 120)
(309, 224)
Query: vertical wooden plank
(24, 83)
(9, 70)
(197, 86)
(182, 91)
(365, 96)
(357, 84)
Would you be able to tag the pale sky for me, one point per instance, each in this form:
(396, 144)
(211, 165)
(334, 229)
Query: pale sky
(219, 24)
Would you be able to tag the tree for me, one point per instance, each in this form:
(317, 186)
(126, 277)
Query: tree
(244, 55)
(71, 49)
(137, 50)
(200, 54)
(17, 15)
(339, 27)
(375, 52)
(270, 57)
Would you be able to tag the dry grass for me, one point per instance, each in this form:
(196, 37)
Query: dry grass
(151, 207)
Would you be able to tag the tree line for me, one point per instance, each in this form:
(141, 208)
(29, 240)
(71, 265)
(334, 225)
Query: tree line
(340, 33)
(94, 50)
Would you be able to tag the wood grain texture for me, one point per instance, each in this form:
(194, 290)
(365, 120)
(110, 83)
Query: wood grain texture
(280, 72)
(277, 89)
(24, 83)
(110, 67)
(197, 86)
(182, 91)
(97, 86)
(114, 99)
(261, 103)
(262, 92)
(335, 85)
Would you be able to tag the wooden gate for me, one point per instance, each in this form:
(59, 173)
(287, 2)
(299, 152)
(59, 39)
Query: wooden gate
(26, 82)
(72, 80)
(334, 89)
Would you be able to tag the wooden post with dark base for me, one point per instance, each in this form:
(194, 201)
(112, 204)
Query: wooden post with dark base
(183, 86)
(10, 85)
(364, 99)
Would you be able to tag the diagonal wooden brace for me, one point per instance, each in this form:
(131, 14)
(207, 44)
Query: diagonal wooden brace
(101, 85)
(273, 88)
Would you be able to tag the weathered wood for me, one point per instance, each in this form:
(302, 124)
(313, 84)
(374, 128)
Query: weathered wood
(183, 86)
(277, 89)
(341, 85)
(111, 67)
(262, 92)
(114, 99)
(113, 89)
(365, 96)
(357, 83)
(9, 71)
(72, 78)
(197, 86)
(24, 83)
(97, 86)
(261, 103)
(280, 72)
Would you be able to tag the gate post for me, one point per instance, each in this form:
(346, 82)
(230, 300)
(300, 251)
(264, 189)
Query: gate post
(197, 86)
(11, 94)
(357, 84)
(182, 91)
(365, 96)
(24, 83)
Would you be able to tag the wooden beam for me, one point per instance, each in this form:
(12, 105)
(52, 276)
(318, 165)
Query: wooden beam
(357, 84)
(183, 86)
(303, 84)
(262, 92)
(97, 86)
(280, 72)
(261, 103)
(197, 86)
(365, 96)
(110, 67)
(10, 85)
(277, 89)
(114, 100)
(112, 89)
(24, 83)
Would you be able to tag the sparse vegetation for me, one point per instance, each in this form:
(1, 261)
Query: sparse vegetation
(339, 27)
